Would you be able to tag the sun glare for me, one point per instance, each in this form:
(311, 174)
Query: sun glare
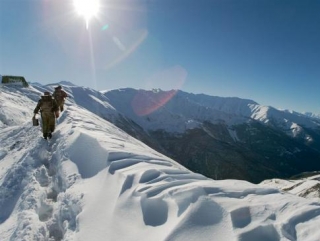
(87, 8)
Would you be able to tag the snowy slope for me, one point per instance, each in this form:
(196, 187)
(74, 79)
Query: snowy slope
(177, 111)
(16, 105)
(86, 98)
(291, 121)
(94, 182)
(308, 187)
(313, 115)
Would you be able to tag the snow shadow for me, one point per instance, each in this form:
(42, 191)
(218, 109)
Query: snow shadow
(204, 214)
(186, 198)
(11, 190)
(149, 175)
(2, 154)
(290, 228)
(127, 183)
(240, 217)
(122, 160)
(154, 211)
(7, 205)
(88, 155)
(117, 165)
(261, 233)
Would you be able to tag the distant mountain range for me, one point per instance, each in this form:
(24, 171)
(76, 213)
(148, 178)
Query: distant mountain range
(219, 137)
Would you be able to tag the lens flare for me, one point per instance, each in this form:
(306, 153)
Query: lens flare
(126, 51)
(105, 27)
(146, 102)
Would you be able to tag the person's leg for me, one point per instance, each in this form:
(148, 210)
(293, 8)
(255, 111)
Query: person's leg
(61, 106)
(45, 124)
(52, 124)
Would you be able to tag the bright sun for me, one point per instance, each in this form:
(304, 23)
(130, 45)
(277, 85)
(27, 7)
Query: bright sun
(87, 8)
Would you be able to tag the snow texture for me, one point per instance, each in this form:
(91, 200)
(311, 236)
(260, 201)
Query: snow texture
(92, 181)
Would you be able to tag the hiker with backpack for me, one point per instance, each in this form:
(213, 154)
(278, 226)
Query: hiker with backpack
(59, 95)
(49, 110)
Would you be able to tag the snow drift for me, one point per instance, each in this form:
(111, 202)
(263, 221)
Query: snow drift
(93, 181)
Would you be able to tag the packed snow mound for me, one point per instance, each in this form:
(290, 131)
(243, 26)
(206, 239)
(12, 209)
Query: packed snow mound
(93, 181)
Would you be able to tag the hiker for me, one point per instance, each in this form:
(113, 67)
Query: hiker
(59, 95)
(49, 111)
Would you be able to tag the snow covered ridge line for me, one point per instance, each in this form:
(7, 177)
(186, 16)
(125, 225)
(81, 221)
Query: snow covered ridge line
(190, 116)
(94, 182)
(317, 116)
(172, 107)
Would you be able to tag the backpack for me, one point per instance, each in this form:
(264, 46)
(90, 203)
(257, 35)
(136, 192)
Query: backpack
(59, 94)
(46, 103)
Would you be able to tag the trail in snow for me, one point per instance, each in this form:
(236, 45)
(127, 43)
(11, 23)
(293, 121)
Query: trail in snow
(31, 183)
(34, 183)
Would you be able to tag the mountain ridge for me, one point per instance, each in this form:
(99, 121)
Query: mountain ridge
(94, 181)
(222, 107)
(241, 140)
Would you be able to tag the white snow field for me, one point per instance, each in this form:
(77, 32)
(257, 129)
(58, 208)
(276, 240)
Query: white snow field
(93, 182)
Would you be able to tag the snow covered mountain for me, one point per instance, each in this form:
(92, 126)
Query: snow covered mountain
(224, 137)
(221, 138)
(174, 110)
(93, 181)
(310, 114)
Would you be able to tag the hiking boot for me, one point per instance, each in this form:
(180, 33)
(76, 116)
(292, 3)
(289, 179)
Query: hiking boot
(45, 135)
(61, 108)
(49, 135)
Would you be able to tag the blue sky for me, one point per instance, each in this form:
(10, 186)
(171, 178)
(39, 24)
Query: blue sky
(265, 50)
